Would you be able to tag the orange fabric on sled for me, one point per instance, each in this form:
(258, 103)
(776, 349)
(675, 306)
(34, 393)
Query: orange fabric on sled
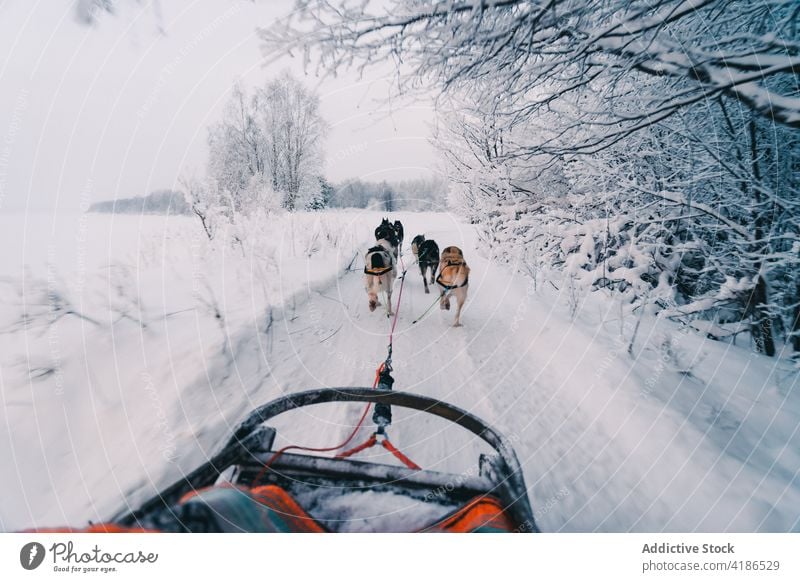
(294, 516)
(267, 508)
(225, 508)
(481, 515)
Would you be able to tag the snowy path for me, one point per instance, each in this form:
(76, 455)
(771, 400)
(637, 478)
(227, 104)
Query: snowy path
(703, 440)
(597, 455)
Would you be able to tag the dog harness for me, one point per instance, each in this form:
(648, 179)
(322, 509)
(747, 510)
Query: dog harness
(379, 270)
(449, 287)
(454, 263)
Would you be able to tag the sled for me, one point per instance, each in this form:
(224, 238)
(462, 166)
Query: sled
(223, 495)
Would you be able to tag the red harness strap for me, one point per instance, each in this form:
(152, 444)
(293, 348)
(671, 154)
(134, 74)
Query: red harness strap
(370, 442)
(386, 444)
(396, 452)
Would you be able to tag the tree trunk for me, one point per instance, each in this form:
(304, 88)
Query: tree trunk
(762, 322)
(796, 322)
(758, 302)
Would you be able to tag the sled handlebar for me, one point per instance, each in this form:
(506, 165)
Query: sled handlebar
(425, 404)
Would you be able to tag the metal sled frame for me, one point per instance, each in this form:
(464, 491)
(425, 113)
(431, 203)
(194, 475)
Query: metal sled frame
(250, 448)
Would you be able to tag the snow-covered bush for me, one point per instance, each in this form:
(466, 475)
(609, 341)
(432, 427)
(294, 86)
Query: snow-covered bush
(704, 219)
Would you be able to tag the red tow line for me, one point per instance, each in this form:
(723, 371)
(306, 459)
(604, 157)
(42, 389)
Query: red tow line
(373, 439)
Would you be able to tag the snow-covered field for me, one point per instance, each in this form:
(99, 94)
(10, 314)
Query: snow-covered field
(129, 347)
(112, 326)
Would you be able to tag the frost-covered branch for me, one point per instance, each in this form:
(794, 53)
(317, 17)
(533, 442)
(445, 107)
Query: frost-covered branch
(542, 51)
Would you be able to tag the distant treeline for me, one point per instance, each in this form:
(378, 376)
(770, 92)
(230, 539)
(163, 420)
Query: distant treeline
(414, 195)
(159, 202)
(420, 194)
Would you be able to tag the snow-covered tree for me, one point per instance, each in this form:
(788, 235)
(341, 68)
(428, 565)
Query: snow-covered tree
(207, 203)
(700, 210)
(322, 199)
(237, 148)
(293, 130)
(268, 144)
(527, 56)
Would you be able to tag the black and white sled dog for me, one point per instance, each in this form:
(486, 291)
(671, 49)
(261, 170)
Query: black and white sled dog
(386, 231)
(393, 233)
(426, 251)
(379, 274)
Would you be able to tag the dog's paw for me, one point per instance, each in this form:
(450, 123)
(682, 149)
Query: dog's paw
(427, 290)
(372, 305)
(457, 325)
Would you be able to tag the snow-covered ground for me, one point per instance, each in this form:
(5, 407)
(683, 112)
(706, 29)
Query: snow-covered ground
(130, 347)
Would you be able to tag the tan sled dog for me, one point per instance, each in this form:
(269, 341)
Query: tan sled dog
(379, 274)
(453, 280)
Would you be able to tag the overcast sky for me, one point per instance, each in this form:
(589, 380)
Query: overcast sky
(119, 109)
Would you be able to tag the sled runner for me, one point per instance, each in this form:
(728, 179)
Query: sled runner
(264, 491)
